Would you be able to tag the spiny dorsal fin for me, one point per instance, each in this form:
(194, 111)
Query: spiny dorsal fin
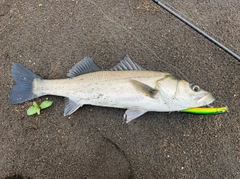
(143, 88)
(127, 64)
(86, 65)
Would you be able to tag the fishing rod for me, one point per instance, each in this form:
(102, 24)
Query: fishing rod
(197, 29)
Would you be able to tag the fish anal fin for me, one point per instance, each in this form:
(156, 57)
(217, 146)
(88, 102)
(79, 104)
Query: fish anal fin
(143, 88)
(71, 106)
(127, 64)
(131, 114)
(84, 66)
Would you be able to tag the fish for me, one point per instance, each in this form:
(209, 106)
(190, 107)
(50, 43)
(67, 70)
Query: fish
(127, 85)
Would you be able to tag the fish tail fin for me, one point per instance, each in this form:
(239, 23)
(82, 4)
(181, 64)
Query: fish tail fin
(23, 89)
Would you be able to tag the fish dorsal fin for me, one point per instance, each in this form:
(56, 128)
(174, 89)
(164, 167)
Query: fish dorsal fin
(70, 106)
(131, 114)
(127, 64)
(143, 88)
(86, 65)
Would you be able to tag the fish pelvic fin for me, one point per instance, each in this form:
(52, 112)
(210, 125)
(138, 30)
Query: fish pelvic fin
(143, 88)
(23, 89)
(132, 114)
(70, 106)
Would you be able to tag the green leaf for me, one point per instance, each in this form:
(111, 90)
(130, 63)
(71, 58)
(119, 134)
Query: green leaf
(45, 104)
(32, 110)
(38, 111)
(35, 104)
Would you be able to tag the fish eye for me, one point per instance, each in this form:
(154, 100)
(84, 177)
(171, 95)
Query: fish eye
(195, 88)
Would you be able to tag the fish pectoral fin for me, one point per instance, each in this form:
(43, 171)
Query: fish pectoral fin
(131, 114)
(86, 65)
(143, 88)
(127, 64)
(71, 106)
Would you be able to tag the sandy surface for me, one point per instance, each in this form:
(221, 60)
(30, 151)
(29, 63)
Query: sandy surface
(93, 142)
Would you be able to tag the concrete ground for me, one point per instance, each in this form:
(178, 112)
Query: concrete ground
(93, 142)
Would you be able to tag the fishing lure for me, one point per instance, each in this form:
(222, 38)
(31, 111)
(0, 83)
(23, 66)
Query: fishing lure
(206, 111)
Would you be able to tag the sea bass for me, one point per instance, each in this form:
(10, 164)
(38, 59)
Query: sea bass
(127, 85)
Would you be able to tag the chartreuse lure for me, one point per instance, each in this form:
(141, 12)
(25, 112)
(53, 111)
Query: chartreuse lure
(206, 111)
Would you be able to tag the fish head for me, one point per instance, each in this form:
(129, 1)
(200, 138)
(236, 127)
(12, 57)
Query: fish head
(194, 95)
(180, 94)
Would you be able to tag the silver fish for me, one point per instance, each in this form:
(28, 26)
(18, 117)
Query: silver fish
(127, 85)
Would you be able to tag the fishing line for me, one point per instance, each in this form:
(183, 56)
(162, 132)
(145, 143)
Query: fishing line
(197, 29)
(135, 37)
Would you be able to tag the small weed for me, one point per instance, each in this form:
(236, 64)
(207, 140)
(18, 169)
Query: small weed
(36, 109)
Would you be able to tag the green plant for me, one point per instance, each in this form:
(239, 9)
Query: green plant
(36, 109)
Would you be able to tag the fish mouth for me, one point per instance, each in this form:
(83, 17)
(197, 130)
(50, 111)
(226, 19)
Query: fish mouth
(206, 98)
